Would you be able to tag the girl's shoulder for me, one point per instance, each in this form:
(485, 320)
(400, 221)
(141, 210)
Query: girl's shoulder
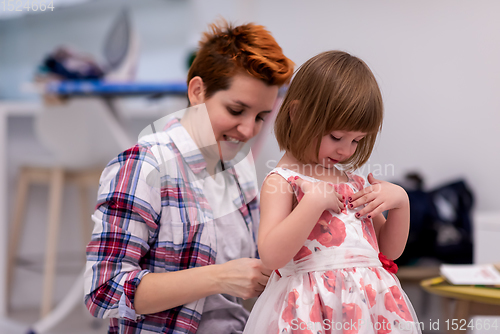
(285, 173)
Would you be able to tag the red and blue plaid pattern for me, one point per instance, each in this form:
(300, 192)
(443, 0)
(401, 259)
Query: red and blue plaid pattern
(150, 217)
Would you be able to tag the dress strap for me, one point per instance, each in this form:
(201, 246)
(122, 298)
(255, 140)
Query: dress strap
(284, 172)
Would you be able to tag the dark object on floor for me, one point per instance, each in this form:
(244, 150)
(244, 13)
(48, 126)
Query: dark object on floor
(440, 222)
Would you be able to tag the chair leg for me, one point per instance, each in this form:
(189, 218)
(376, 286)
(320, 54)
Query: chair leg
(86, 214)
(55, 204)
(17, 225)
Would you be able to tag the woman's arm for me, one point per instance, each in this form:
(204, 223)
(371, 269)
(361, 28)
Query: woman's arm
(126, 220)
(245, 278)
(283, 231)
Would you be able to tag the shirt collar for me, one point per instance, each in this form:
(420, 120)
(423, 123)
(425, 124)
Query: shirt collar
(186, 145)
(243, 169)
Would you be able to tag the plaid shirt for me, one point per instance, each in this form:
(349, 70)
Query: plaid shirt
(152, 216)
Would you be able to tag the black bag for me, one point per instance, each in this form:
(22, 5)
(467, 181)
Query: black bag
(440, 224)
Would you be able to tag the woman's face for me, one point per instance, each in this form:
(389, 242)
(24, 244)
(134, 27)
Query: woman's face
(238, 113)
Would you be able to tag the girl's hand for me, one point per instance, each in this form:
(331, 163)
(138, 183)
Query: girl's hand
(323, 193)
(378, 197)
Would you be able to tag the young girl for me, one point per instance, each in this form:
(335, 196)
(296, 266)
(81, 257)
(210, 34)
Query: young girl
(322, 228)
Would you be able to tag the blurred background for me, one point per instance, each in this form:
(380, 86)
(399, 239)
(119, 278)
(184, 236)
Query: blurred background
(437, 64)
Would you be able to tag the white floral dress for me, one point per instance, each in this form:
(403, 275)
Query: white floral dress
(336, 282)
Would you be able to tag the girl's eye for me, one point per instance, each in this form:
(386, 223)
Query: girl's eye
(260, 118)
(334, 138)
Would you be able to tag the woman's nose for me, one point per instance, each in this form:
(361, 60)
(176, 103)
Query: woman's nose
(248, 128)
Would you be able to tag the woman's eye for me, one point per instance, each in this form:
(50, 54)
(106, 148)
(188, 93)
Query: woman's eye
(260, 118)
(234, 112)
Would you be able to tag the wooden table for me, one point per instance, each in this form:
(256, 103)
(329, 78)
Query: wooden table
(467, 301)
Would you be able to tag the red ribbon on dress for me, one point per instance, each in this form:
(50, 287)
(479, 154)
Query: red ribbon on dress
(388, 264)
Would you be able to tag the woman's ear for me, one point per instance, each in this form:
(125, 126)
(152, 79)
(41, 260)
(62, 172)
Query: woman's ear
(196, 91)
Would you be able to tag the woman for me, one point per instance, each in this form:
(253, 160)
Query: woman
(178, 257)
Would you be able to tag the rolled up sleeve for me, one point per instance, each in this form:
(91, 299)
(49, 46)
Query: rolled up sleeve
(126, 221)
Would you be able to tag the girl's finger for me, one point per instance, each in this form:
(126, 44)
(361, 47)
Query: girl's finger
(355, 196)
(342, 205)
(370, 210)
(340, 197)
(373, 180)
(365, 199)
(337, 207)
(360, 193)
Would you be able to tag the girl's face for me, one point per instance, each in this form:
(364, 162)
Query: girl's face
(237, 114)
(338, 146)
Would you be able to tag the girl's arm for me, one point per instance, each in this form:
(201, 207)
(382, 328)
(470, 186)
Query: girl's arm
(284, 230)
(392, 233)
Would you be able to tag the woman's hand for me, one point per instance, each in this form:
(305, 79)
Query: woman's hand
(378, 197)
(245, 278)
(323, 194)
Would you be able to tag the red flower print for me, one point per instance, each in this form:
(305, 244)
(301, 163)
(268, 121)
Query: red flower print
(329, 231)
(385, 327)
(388, 264)
(329, 280)
(273, 327)
(394, 302)
(298, 191)
(351, 313)
(346, 190)
(376, 272)
(369, 233)
(320, 312)
(371, 294)
(312, 282)
(290, 311)
(303, 252)
(350, 270)
(357, 181)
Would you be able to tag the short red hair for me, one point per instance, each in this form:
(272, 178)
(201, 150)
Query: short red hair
(226, 51)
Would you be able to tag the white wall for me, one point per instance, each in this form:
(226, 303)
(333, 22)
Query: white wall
(438, 65)
(162, 27)
(437, 62)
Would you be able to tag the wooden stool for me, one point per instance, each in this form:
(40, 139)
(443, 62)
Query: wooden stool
(55, 178)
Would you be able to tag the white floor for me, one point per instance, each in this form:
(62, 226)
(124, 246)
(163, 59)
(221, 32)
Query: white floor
(24, 304)
(79, 321)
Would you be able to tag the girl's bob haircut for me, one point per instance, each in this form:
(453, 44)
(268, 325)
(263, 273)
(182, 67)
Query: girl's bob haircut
(331, 91)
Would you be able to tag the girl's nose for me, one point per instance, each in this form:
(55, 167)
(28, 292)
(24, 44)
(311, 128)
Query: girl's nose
(343, 149)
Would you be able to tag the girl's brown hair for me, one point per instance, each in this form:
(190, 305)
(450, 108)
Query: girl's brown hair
(226, 50)
(331, 91)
